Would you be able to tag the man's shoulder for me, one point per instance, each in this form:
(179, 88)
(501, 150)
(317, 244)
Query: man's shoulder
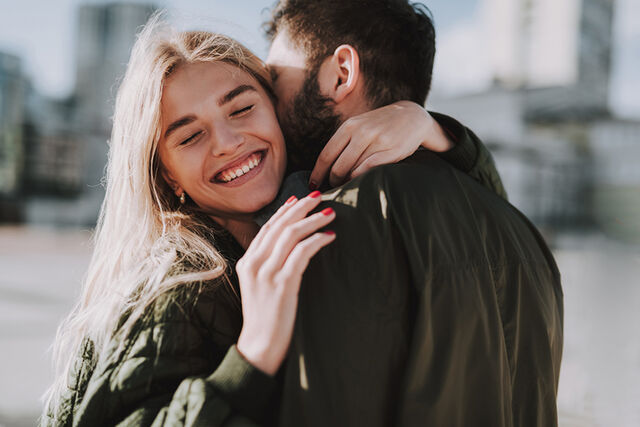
(423, 175)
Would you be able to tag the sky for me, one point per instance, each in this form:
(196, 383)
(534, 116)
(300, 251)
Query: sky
(42, 33)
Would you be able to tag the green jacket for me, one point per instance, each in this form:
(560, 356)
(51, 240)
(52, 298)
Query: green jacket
(439, 304)
(179, 366)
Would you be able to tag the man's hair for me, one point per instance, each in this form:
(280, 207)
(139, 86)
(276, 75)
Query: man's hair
(395, 40)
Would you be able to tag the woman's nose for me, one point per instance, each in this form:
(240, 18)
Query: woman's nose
(226, 140)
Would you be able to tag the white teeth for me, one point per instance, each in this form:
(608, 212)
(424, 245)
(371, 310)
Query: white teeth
(251, 163)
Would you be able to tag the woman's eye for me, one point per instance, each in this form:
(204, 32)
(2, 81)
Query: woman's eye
(242, 111)
(191, 138)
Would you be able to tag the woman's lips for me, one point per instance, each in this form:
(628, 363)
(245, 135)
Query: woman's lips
(240, 171)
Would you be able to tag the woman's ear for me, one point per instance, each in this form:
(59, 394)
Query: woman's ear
(177, 190)
(339, 75)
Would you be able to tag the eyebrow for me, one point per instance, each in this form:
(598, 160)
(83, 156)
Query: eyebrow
(226, 98)
(179, 123)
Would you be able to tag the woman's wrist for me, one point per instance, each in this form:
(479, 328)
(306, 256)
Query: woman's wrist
(258, 356)
(437, 139)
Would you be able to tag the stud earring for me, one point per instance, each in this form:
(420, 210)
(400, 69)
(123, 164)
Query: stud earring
(183, 199)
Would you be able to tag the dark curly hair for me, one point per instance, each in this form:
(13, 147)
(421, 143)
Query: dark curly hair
(395, 40)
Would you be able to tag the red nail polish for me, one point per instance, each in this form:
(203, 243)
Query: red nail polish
(330, 233)
(315, 194)
(327, 211)
(313, 185)
(291, 200)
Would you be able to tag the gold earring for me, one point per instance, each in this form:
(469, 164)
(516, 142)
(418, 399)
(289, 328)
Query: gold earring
(183, 199)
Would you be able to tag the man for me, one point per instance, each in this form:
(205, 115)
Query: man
(309, 120)
(439, 304)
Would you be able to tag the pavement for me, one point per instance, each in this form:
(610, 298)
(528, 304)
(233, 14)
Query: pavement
(42, 270)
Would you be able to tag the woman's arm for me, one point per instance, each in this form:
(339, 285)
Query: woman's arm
(394, 132)
(168, 371)
(469, 154)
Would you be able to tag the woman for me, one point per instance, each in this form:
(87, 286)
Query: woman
(196, 151)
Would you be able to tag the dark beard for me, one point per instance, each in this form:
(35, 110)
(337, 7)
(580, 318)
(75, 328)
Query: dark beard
(307, 124)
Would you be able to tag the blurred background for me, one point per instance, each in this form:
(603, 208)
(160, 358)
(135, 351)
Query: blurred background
(552, 88)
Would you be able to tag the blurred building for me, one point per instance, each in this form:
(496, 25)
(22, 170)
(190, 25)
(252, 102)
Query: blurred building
(105, 36)
(53, 152)
(12, 100)
(546, 117)
(67, 139)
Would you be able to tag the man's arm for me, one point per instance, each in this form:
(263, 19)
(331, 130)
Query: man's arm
(392, 133)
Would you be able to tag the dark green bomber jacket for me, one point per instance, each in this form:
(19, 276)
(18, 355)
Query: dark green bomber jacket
(179, 365)
(439, 304)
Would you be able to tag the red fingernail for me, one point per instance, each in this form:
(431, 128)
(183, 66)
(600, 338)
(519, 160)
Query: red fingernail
(330, 233)
(327, 211)
(313, 185)
(291, 199)
(315, 194)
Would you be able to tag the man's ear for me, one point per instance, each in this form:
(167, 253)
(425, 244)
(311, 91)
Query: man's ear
(340, 74)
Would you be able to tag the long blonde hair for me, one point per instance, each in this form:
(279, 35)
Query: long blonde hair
(146, 243)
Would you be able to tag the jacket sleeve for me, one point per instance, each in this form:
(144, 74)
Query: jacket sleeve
(469, 154)
(235, 394)
(165, 374)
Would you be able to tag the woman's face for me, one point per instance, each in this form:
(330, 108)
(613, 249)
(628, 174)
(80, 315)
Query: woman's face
(220, 142)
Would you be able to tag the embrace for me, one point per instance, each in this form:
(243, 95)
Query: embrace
(394, 285)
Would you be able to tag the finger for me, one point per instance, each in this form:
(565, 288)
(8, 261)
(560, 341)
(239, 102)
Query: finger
(300, 256)
(292, 236)
(330, 153)
(274, 218)
(370, 162)
(296, 212)
(348, 159)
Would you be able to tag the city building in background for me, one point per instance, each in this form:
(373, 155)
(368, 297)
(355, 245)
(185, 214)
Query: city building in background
(55, 150)
(565, 161)
(12, 101)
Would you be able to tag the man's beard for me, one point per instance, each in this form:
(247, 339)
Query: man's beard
(308, 123)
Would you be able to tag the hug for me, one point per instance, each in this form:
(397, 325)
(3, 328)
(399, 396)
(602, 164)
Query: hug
(230, 287)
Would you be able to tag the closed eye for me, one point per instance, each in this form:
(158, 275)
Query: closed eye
(191, 138)
(242, 111)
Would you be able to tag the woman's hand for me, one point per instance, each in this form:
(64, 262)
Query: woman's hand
(385, 135)
(270, 273)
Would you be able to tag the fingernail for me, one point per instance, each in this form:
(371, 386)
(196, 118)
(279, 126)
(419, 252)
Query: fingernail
(313, 185)
(330, 233)
(291, 200)
(327, 211)
(315, 194)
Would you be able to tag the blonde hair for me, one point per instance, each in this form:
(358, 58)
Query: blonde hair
(146, 243)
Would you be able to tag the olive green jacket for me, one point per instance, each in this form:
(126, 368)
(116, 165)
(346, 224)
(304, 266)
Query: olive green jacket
(439, 304)
(179, 366)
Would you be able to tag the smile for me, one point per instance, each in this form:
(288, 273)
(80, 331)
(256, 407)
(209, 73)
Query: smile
(241, 169)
